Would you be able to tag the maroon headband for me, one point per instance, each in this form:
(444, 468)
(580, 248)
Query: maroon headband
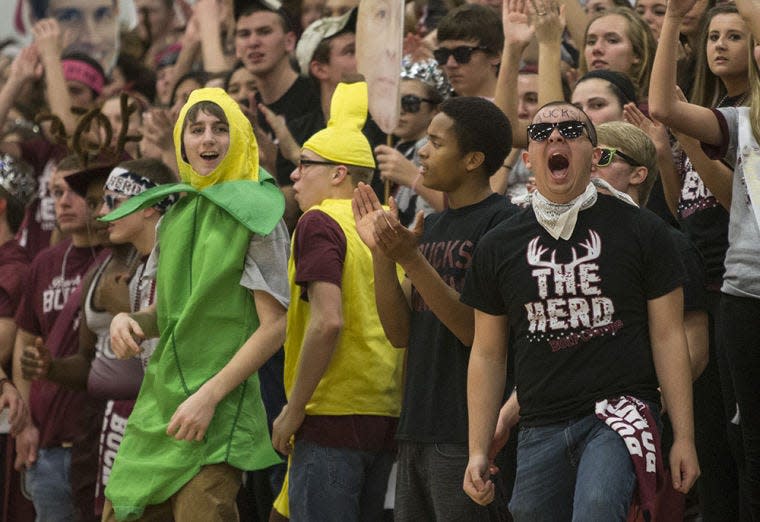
(75, 70)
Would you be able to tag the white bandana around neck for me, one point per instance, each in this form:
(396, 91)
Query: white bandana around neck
(559, 218)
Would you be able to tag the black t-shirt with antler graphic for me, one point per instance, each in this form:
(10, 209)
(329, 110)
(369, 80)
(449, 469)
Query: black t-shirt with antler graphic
(578, 308)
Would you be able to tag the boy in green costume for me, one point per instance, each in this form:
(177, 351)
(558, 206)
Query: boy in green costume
(221, 301)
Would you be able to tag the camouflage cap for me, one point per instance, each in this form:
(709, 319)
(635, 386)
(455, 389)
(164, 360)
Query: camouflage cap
(320, 30)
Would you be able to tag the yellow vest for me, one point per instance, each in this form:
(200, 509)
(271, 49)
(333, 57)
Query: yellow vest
(364, 375)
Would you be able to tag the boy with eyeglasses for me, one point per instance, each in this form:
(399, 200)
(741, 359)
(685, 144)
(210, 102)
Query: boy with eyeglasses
(467, 142)
(469, 50)
(589, 288)
(342, 376)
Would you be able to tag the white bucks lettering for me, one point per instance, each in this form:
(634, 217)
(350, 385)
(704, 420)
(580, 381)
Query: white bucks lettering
(110, 440)
(569, 296)
(57, 293)
(624, 417)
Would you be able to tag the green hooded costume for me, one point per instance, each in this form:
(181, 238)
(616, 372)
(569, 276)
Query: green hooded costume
(204, 317)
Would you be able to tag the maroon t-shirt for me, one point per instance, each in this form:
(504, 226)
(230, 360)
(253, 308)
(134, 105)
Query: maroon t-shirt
(50, 308)
(319, 252)
(39, 218)
(14, 263)
(53, 275)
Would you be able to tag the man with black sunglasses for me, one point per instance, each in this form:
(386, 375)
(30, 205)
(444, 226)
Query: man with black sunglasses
(589, 289)
(469, 51)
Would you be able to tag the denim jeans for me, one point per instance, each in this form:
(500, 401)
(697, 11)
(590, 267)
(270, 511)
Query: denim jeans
(337, 484)
(48, 483)
(576, 470)
(429, 485)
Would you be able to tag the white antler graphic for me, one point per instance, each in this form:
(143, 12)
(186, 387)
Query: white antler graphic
(534, 253)
(593, 247)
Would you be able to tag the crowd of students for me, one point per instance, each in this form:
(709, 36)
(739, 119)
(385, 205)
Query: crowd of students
(226, 294)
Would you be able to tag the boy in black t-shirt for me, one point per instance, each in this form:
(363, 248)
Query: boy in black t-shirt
(468, 141)
(590, 288)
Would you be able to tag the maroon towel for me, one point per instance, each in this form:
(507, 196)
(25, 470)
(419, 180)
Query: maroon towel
(631, 419)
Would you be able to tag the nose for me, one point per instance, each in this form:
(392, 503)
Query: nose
(295, 175)
(423, 152)
(102, 210)
(720, 43)
(597, 47)
(451, 62)
(555, 135)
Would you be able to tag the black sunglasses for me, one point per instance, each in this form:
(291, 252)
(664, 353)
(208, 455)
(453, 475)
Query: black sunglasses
(412, 103)
(609, 153)
(570, 129)
(461, 54)
(113, 202)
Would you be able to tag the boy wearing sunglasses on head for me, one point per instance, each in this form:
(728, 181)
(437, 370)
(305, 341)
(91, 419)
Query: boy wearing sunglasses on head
(589, 288)
(469, 50)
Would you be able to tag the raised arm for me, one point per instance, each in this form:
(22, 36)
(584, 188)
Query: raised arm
(750, 11)
(210, 15)
(486, 375)
(549, 29)
(664, 103)
(47, 37)
(517, 35)
(26, 67)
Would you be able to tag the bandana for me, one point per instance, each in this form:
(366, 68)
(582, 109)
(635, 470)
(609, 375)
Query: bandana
(17, 178)
(83, 72)
(128, 183)
(559, 218)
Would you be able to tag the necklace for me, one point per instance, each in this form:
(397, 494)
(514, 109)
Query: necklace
(733, 101)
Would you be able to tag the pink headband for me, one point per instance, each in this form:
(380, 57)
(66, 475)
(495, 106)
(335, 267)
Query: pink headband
(75, 70)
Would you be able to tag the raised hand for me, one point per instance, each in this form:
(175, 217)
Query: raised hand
(26, 66)
(517, 28)
(679, 8)
(366, 208)
(548, 20)
(394, 166)
(47, 37)
(656, 131)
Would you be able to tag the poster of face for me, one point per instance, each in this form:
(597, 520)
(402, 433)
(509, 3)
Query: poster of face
(379, 40)
(88, 26)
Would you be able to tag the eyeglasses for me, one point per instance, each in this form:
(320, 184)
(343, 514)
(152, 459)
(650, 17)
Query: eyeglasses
(571, 129)
(304, 162)
(609, 153)
(112, 202)
(461, 54)
(413, 103)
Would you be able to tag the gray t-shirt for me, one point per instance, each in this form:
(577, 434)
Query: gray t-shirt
(742, 277)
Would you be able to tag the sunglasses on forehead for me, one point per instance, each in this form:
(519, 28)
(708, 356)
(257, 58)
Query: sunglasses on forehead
(609, 154)
(412, 103)
(461, 54)
(570, 130)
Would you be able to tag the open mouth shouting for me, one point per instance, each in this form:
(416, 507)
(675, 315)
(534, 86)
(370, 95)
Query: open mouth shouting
(558, 165)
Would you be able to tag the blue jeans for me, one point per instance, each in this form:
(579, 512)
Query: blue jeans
(337, 484)
(429, 485)
(576, 470)
(47, 481)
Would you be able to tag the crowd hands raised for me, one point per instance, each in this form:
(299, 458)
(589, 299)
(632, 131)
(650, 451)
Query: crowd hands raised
(536, 126)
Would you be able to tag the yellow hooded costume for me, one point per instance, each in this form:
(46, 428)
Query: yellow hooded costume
(204, 317)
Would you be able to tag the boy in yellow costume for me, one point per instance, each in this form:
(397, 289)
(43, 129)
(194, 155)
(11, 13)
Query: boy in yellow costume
(342, 377)
(221, 299)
